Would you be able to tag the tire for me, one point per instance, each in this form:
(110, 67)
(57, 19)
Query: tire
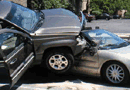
(59, 61)
(115, 73)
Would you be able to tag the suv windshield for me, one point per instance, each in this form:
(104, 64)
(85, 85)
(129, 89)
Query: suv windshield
(23, 17)
(108, 39)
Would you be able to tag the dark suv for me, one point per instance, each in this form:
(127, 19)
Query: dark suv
(48, 37)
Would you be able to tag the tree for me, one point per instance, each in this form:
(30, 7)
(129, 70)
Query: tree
(109, 6)
(48, 4)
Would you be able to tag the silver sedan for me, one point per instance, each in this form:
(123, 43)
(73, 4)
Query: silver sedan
(106, 55)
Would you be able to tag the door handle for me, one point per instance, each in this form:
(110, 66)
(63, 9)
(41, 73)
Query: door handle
(13, 61)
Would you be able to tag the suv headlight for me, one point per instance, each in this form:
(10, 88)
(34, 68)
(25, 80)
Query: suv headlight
(81, 41)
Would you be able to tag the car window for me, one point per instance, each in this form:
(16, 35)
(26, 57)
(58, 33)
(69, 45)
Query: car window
(9, 41)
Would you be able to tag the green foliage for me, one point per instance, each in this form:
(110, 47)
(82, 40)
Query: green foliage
(47, 4)
(109, 6)
(127, 15)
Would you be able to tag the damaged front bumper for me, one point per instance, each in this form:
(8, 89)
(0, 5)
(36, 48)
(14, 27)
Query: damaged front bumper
(81, 44)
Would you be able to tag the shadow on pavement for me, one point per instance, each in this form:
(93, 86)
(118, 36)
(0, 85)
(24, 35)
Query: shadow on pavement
(40, 75)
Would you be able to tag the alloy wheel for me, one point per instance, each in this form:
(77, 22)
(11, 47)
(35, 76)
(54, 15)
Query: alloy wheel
(58, 62)
(115, 73)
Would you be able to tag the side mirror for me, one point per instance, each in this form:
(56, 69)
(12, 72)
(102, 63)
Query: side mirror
(94, 49)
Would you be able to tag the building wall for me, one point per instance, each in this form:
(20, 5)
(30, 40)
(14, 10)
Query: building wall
(121, 13)
(21, 2)
(84, 3)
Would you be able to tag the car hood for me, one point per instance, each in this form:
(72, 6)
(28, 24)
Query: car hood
(59, 21)
(124, 51)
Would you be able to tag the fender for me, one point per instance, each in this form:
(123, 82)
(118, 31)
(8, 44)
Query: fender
(57, 43)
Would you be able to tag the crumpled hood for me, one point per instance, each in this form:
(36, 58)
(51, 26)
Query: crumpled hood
(59, 21)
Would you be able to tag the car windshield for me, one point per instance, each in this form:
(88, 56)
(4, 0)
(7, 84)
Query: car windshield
(23, 17)
(108, 39)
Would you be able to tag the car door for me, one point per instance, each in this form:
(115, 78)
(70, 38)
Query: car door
(17, 54)
(88, 60)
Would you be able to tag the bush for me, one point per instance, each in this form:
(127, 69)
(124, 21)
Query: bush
(48, 4)
(127, 15)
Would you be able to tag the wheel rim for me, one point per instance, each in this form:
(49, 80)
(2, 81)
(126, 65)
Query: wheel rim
(115, 73)
(58, 62)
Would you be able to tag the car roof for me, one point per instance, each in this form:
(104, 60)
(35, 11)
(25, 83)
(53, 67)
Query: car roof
(5, 7)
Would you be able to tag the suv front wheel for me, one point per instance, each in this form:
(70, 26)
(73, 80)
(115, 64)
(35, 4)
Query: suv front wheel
(59, 60)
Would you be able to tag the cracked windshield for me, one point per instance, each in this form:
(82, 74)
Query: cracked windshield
(108, 40)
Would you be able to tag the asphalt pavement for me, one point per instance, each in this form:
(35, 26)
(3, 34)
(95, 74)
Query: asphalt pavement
(112, 25)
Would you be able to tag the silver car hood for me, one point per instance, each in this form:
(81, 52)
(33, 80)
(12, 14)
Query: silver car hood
(59, 22)
(124, 51)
